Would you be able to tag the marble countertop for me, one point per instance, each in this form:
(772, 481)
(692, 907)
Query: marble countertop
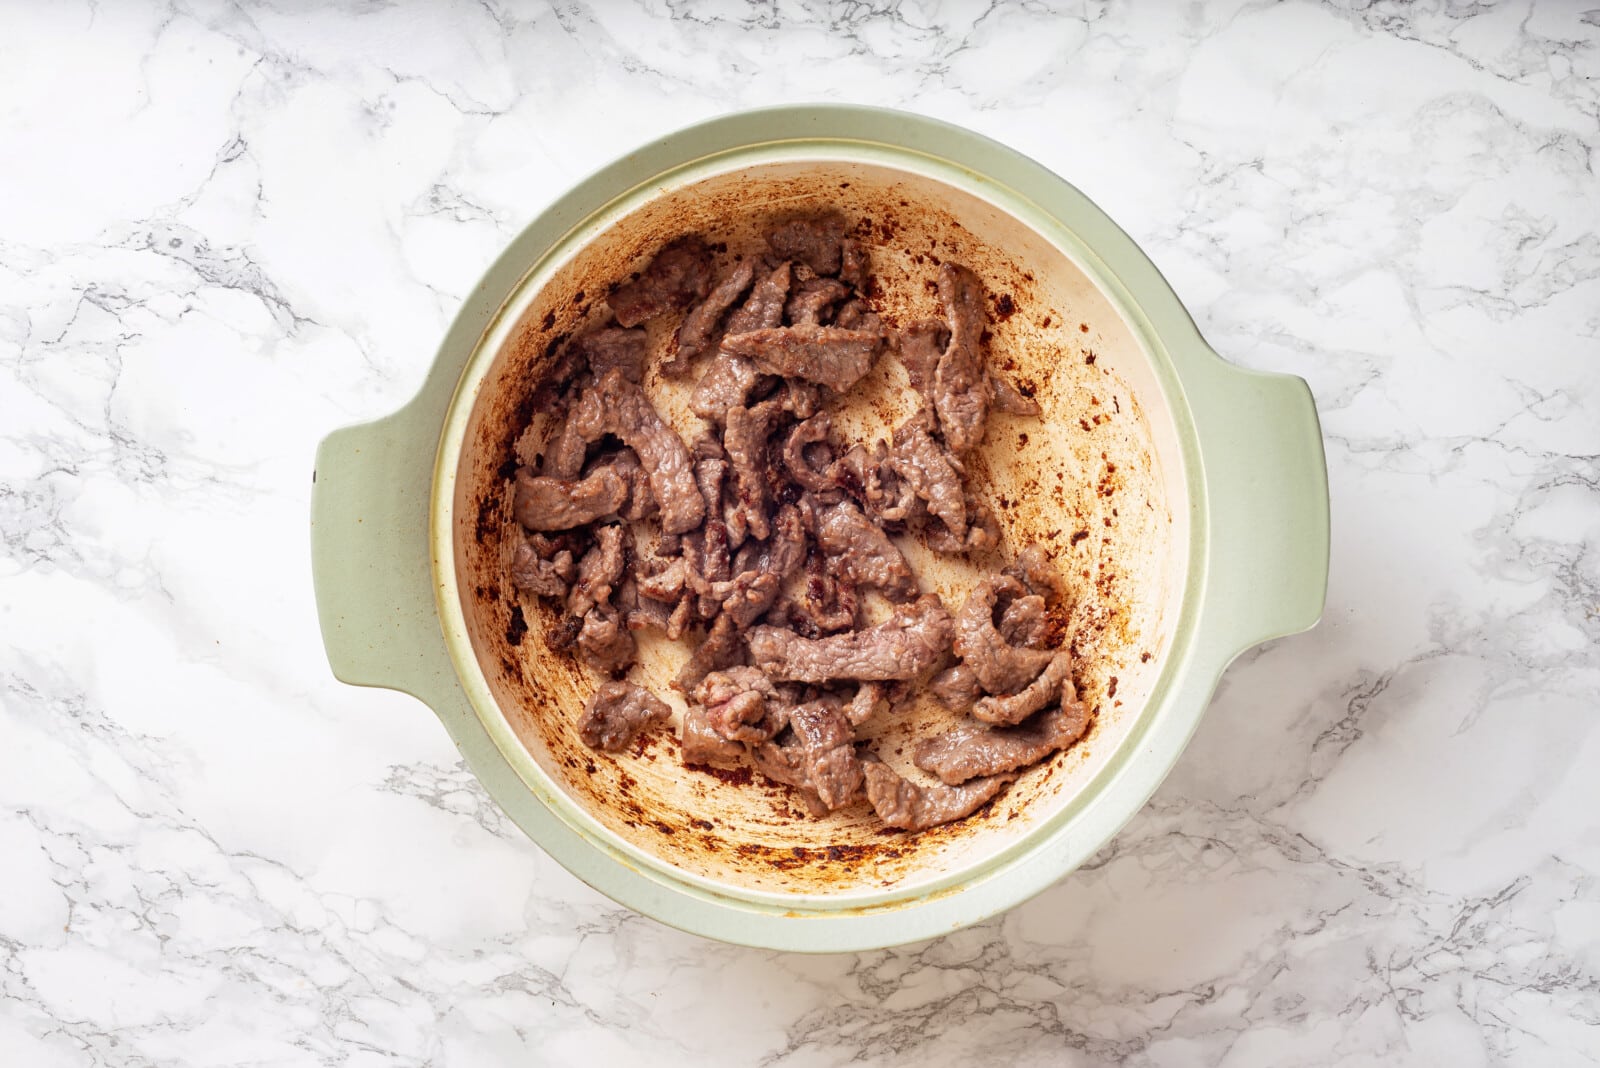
(226, 230)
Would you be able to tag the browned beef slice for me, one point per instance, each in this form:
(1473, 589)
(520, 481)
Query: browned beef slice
(869, 478)
(746, 442)
(719, 650)
(925, 466)
(862, 552)
(853, 264)
(678, 276)
(702, 745)
(1052, 682)
(807, 454)
(961, 381)
(901, 647)
(610, 347)
(701, 328)
(921, 345)
(600, 570)
(870, 699)
(1000, 668)
(729, 379)
(819, 756)
(911, 807)
(971, 752)
(616, 713)
(826, 355)
(813, 240)
(759, 574)
(956, 687)
(641, 502)
(1023, 622)
(564, 458)
(765, 307)
(605, 641)
(1007, 398)
(1033, 569)
(812, 300)
(742, 704)
(560, 504)
(545, 576)
(828, 605)
(983, 530)
(856, 315)
(616, 406)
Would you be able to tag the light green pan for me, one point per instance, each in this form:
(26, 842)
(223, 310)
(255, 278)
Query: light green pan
(1252, 497)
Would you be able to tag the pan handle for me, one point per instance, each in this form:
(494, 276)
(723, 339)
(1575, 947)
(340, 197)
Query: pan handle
(369, 557)
(1267, 492)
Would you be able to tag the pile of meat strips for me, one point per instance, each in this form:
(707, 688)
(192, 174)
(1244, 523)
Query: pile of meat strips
(764, 541)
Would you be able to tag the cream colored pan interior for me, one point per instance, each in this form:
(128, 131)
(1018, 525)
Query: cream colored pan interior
(1097, 481)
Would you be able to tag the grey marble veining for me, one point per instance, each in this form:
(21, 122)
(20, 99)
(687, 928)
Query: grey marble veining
(225, 230)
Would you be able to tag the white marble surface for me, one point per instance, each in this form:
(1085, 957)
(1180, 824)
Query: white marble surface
(226, 230)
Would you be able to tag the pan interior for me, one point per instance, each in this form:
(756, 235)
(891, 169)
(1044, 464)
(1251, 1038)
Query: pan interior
(1097, 481)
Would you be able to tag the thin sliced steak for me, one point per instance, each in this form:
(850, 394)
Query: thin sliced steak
(1023, 622)
(853, 264)
(806, 440)
(813, 240)
(616, 406)
(719, 650)
(921, 345)
(609, 347)
(924, 465)
(911, 807)
(812, 300)
(971, 752)
(544, 575)
(1000, 668)
(600, 570)
(560, 504)
(862, 552)
(679, 275)
(746, 442)
(909, 642)
(819, 757)
(701, 328)
(1032, 568)
(605, 641)
(703, 745)
(961, 382)
(617, 712)
(742, 704)
(956, 687)
(826, 355)
(1053, 681)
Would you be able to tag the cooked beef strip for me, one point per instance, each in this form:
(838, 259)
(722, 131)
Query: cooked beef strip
(605, 640)
(641, 502)
(956, 687)
(819, 757)
(746, 442)
(756, 583)
(826, 355)
(610, 347)
(701, 328)
(867, 475)
(720, 649)
(703, 745)
(729, 379)
(911, 807)
(559, 504)
(853, 264)
(616, 406)
(1000, 668)
(862, 552)
(970, 752)
(921, 345)
(870, 699)
(812, 300)
(1007, 398)
(548, 576)
(742, 704)
(1023, 622)
(1032, 568)
(923, 463)
(679, 275)
(983, 530)
(828, 606)
(807, 439)
(616, 713)
(1053, 681)
(600, 570)
(961, 382)
(910, 641)
(812, 240)
(767, 300)
(856, 315)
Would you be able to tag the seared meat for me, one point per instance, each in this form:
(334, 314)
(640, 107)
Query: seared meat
(616, 406)
(901, 647)
(1033, 569)
(862, 552)
(983, 530)
(560, 504)
(616, 713)
(812, 300)
(870, 699)
(764, 309)
(600, 570)
(742, 704)
(827, 355)
(956, 687)
(911, 807)
(853, 264)
(806, 440)
(1023, 622)
(1014, 708)
(605, 641)
(746, 442)
(813, 240)
(855, 315)
(970, 752)
(719, 650)
(608, 348)
(701, 328)
(703, 745)
(545, 573)
(679, 275)
(730, 378)
(921, 345)
(961, 383)
(874, 483)
(927, 469)
(1000, 668)
(819, 758)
